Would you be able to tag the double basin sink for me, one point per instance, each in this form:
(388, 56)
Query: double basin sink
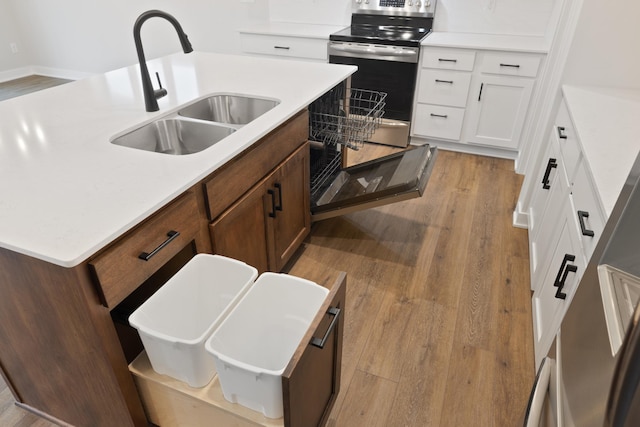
(198, 126)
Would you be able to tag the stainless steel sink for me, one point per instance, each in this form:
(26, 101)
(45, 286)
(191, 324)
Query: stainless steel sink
(230, 109)
(174, 136)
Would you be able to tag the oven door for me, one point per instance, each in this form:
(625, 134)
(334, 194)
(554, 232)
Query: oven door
(389, 69)
(394, 178)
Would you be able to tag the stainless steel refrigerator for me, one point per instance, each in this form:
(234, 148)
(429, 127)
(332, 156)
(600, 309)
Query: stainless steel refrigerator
(591, 376)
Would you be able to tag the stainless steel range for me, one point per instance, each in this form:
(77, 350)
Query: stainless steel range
(384, 42)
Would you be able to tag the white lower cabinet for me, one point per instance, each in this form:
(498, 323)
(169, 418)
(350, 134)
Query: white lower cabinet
(496, 115)
(304, 48)
(566, 219)
(565, 266)
(491, 91)
(552, 188)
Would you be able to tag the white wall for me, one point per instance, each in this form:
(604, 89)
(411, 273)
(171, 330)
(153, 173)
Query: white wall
(10, 33)
(605, 49)
(519, 17)
(97, 35)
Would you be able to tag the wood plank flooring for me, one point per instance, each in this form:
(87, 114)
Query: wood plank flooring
(438, 321)
(25, 85)
(438, 318)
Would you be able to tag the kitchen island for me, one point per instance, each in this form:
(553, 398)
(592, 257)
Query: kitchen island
(74, 205)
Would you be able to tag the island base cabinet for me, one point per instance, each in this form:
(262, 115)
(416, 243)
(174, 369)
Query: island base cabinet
(267, 225)
(310, 383)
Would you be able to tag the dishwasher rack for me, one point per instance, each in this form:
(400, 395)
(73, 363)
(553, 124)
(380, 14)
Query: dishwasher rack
(342, 118)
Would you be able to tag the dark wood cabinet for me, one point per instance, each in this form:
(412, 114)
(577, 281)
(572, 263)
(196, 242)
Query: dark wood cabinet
(267, 225)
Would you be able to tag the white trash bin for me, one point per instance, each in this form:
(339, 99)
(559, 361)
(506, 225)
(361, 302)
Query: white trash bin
(254, 344)
(175, 322)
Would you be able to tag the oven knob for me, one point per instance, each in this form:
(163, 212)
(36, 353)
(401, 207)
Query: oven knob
(418, 3)
(427, 3)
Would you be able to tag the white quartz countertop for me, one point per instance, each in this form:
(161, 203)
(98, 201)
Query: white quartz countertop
(66, 191)
(289, 29)
(607, 122)
(487, 42)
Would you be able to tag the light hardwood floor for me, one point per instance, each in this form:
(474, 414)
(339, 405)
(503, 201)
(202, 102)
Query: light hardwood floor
(25, 85)
(438, 315)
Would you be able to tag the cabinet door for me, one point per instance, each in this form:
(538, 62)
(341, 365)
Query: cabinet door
(496, 115)
(561, 279)
(547, 201)
(240, 231)
(286, 202)
(311, 380)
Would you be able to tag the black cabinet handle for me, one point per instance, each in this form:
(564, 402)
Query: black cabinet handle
(480, 94)
(279, 187)
(272, 193)
(444, 116)
(317, 342)
(510, 65)
(447, 60)
(561, 133)
(551, 164)
(561, 277)
(282, 47)
(444, 81)
(146, 256)
(585, 231)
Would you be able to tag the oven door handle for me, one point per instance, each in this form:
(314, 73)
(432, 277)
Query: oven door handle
(372, 52)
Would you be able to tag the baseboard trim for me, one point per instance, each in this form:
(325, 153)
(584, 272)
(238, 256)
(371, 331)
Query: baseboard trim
(520, 217)
(59, 73)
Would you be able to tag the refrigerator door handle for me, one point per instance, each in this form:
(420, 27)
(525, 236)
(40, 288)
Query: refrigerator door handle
(622, 405)
(538, 394)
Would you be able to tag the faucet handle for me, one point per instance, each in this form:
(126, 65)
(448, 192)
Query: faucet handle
(159, 93)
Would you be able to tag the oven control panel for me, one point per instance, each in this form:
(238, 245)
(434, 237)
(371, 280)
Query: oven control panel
(425, 8)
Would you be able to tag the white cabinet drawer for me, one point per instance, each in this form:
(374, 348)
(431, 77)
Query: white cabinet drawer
(511, 64)
(450, 59)
(438, 122)
(589, 219)
(444, 87)
(293, 47)
(567, 139)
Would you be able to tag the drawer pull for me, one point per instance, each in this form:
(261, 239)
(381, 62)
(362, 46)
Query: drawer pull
(561, 278)
(447, 60)
(272, 193)
(279, 187)
(510, 65)
(444, 81)
(561, 133)
(480, 94)
(585, 231)
(317, 342)
(551, 164)
(282, 47)
(444, 116)
(146, 256)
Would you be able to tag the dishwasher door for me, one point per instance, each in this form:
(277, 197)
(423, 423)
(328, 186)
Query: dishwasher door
(394, 178)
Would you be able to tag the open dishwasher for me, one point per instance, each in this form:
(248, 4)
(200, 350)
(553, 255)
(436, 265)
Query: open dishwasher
(343, 119)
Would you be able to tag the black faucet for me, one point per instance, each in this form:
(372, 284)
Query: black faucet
(150, 95)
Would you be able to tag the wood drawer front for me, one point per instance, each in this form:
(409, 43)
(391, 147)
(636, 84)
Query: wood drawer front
(444, 87)
(310, 383)
(294, 47)
(230, 182)
(118, 270)
(449, 59)
(567, 140)
(510, 64)
(438, 122)
(585, 201)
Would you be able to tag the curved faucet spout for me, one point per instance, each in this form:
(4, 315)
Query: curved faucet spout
(150, 95)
